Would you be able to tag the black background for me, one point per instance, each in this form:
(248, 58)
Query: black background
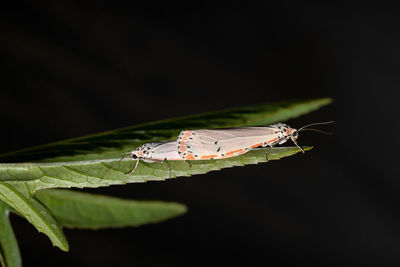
(72, 69)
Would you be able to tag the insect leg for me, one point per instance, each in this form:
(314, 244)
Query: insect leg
(267, 151)
(294, 141)
(134, 168)
(169, 167)
(188, 162)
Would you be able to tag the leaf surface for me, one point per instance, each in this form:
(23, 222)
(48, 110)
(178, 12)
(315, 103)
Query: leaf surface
(96, 173)
(34, 212)
(82, 210)
(9, 250)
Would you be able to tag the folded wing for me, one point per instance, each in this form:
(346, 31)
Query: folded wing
(223, 143)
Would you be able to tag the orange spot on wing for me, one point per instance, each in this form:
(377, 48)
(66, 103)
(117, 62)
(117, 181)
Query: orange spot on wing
(182, 146)
(208, 156)
(190, 157)
(260, 144)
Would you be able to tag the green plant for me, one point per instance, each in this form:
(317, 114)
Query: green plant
(26, 186)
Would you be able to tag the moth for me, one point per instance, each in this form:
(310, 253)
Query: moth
(225, 143)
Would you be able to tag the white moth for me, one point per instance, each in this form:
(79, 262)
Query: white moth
(226, 143)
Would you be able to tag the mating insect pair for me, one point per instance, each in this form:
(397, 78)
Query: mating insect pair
(217, 144)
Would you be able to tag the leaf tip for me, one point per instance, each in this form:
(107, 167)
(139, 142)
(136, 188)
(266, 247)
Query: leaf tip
(64, 246)
(306, 148)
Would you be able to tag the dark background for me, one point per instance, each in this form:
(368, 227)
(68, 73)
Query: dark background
(72, 69)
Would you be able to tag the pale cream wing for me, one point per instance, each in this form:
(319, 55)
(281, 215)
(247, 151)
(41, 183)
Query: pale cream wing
(221, 143)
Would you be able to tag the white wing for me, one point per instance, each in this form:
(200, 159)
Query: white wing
(164, 150)
(224, 142)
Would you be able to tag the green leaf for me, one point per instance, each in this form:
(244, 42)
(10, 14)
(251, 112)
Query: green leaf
(10, 256)
(34, 212)
(85, 161)
(37, 176)
(113, 143)
(83, 210)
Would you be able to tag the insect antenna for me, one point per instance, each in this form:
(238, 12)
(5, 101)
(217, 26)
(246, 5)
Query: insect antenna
(312, 124)
(113, 166)
(316, 130)
(305, 128)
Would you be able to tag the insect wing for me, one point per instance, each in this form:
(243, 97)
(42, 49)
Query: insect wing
(164, 151)
(223, 143)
